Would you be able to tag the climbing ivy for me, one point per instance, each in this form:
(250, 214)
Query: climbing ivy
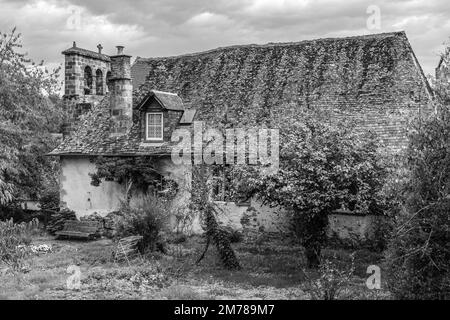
(202, 203)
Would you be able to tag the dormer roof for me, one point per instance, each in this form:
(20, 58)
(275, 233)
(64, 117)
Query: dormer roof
(168, 100)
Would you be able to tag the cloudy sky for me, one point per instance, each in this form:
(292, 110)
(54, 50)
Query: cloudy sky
(150, 28)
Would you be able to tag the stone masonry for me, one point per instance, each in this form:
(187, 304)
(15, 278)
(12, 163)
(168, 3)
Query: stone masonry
(121, 98)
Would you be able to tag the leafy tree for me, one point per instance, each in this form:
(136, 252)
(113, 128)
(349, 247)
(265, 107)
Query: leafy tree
(324, 166)
(419, 254)
(29, 112)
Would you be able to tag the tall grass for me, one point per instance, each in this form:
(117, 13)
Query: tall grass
(14, 239)
(151, 219)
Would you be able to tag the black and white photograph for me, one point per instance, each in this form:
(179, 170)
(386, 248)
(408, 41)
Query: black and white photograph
(224, 155)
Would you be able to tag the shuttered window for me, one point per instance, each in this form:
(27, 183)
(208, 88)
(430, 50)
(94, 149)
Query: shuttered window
(154, 129)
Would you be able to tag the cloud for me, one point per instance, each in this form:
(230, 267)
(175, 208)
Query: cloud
(208, 19)
(169, 27)
(264, 7)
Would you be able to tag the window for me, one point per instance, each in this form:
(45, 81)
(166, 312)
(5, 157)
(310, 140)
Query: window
(87, 80)
(154, 129)
(99, 82)
(108, 81)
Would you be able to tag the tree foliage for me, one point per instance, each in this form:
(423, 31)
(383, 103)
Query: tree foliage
(419, 251)
(29, 112)
(324, 165)
(136, 174)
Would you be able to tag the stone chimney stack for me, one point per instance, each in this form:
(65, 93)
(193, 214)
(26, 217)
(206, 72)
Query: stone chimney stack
(121, 99)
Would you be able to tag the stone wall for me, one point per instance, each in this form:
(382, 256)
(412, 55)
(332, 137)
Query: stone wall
(351, 227)
(74, 74)
(252, 219)
(121, 97)
(76, 107)
(77, 102)
(257, 219)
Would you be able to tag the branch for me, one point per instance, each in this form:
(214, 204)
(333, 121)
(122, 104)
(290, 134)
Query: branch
(208, 240)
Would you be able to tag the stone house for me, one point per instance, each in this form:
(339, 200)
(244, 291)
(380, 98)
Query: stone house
(119, 109)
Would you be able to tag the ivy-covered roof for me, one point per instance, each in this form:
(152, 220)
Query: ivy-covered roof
(372, 79)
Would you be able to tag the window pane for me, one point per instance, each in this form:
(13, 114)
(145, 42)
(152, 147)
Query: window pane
(154, 126)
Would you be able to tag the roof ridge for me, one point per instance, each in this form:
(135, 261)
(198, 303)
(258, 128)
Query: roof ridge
(273, 44)
(86, 53)
(164, 92)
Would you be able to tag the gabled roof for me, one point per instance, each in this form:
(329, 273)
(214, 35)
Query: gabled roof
(87, 53)
(370, 78)
(169, 101)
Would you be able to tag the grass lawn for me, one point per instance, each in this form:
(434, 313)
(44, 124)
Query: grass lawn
(270, 271)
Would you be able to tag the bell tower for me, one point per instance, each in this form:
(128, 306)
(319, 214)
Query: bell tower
(85, 74)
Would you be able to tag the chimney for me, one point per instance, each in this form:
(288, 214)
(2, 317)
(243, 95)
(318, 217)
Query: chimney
(121, 99)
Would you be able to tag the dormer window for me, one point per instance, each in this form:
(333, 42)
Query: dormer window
(154, 127)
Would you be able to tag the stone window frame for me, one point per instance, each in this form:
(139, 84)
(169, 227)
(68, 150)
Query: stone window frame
(147, 138)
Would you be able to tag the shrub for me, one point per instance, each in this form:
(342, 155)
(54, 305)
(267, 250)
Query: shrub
(150, 220)
(418, 256)
(16, 213)
(50, 199)
(382, 230)
(332, 280)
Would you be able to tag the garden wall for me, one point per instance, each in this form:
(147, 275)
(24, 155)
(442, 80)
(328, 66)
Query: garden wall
(350, 226)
